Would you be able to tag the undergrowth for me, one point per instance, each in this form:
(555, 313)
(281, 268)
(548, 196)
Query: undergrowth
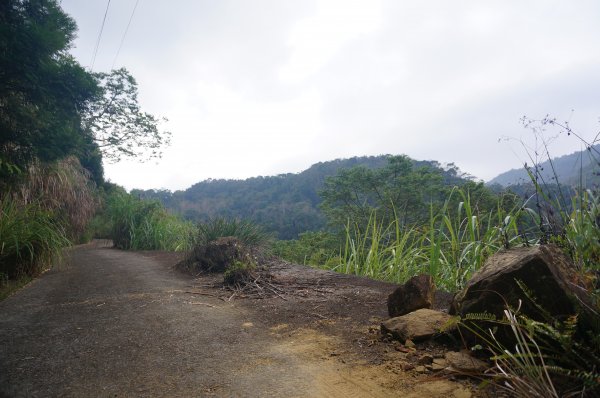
(137, 224)
(43, 212)
(548, 358)
(451, 247)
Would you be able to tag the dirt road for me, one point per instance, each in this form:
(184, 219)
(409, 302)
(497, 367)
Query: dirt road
(119, 324)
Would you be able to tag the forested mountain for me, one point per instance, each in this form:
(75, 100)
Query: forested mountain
(568, 168)
(287, 204)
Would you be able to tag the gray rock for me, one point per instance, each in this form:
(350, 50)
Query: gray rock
(462, 362)
(416, 326)
(415, 294)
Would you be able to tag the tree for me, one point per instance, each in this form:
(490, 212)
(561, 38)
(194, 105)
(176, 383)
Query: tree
(399, 189)
(51, 107)
(42, 88)
(118, 125)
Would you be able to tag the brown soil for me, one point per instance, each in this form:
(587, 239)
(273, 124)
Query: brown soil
(114, 323)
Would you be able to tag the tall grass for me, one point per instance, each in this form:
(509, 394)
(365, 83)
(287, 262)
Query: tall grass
(146, 225)
(451, 247)
(47, 208)
(63, 188)
(581, 233)
(30, 239)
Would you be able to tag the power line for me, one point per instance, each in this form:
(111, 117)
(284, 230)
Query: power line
(99, 37)
(125, 34)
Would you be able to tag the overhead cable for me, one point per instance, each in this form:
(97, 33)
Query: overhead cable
(125, 34)
(99, 37)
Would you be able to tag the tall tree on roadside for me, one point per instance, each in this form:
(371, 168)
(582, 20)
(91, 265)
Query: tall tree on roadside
(43, 90)
(118, 125)
(51, 107)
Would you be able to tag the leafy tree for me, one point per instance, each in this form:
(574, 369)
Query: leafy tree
(42, 88)
(397, 190)
(117, 123)
(51, 107)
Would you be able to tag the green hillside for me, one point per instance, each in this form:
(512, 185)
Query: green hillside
(286, 204)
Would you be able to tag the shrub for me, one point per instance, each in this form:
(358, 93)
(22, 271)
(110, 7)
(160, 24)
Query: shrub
(311, 248)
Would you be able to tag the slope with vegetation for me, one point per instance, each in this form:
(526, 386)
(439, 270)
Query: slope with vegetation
(286, 204)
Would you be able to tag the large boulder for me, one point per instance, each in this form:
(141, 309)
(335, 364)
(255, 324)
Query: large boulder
(415, 294)
(546, 273)
(417, 326)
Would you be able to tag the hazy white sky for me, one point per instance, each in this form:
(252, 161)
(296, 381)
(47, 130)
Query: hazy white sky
(264, 87)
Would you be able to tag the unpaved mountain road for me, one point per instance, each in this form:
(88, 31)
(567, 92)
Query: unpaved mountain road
(121, 324)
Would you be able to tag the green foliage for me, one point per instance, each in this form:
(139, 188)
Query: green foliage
(30, 238)
(248, 233)
(43, 90)
(553, 358)
(239, 272)
(49, 207)
(146, 225)
(53, 108)
(64, 189)
(56, 120)
(548, 359)
(581, 236)
(286, 204)
(451, 246)
(400, 190)
(311, 248)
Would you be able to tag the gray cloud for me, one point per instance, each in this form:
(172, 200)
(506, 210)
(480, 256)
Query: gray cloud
(266, 87)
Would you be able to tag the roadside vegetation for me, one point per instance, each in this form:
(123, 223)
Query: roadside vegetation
(376, 237)
(57, 122)
(135, 224)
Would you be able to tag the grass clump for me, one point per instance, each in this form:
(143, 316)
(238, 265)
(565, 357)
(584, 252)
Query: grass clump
(239, 273)
(227, 245)
(248, 233)
(63, 188)
(30, 239)
(145, 225)
(41, 214)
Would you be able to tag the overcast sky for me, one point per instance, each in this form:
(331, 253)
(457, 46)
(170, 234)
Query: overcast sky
(267, 87)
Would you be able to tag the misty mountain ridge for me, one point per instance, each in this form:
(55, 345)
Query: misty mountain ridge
(579, 166)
